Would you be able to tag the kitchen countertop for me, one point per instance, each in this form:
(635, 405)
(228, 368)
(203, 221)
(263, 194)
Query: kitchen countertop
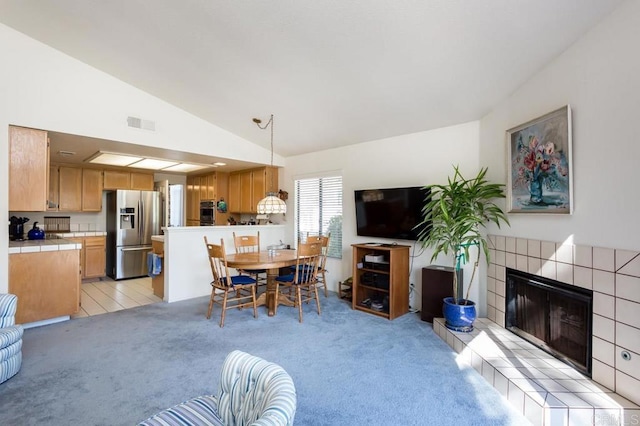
(159, 238)
(53, 242)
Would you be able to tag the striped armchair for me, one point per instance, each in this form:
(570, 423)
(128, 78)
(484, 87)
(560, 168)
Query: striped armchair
(252, 391)
(10, 338)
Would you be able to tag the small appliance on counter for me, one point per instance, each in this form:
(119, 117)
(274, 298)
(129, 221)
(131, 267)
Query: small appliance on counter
(16, 228)
(36, 233)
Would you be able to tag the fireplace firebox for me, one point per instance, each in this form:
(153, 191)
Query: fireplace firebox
(551, 315)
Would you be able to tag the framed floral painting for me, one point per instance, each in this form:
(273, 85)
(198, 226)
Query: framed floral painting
(539, 169)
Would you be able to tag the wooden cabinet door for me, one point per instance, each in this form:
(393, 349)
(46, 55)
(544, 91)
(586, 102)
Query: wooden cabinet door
(39, 296)
(193, 199)
(211, 187)
(70, 189)
(258, 188)
(115, 179)
(204, 188)
(94, 257)
(246, 194)
(91, 190)
(54, 189)
(28, 169)
(142, 181)
(233, 202)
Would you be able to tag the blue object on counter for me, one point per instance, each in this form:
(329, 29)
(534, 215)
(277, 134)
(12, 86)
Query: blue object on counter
(154, 264)
(35, 233)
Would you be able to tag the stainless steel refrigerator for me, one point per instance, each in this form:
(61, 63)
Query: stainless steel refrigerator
(132, 218)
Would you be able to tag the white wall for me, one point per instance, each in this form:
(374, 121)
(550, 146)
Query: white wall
(599, 77)
(409, 160)
(45, 89)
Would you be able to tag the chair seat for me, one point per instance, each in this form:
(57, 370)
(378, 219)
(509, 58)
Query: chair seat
(239, 280)
(202, 410)
(285, 278)
(10, 335)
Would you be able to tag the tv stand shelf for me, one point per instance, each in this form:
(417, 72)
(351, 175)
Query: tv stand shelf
(385, 285)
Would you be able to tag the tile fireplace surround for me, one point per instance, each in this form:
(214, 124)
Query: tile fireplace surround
(545, 390)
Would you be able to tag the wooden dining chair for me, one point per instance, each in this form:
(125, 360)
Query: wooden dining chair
(324, 241)
(243, 286)
(250, 244)
(303, 278)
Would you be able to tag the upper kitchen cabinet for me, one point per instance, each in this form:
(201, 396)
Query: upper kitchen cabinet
(212, 186)
(70, 187)
(91, 190)
(142, 181)
(28, 169)
(247, 187)
(118, 179)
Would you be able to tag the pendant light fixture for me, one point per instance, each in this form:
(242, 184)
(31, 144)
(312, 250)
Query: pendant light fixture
(271, 203)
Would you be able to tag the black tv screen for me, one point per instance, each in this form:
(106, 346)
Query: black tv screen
(390, 213)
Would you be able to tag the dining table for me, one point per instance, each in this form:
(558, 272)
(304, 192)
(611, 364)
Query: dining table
(272, 261)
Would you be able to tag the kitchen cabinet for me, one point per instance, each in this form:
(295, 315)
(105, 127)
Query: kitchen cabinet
(94, 251)
(249, 187)
(193, 200)
(116, 179)
(119, 179)
(91, 190)
(212, 186)
(54, 189)
(39, 296)
(28, 169)
(157, 282)
(233, 203)
(92, 256)
(70, 189)
(141, 181)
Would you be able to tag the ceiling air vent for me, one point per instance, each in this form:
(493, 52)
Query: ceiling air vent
(139, 123)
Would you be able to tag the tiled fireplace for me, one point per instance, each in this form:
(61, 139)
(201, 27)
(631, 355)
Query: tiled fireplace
(546, 390)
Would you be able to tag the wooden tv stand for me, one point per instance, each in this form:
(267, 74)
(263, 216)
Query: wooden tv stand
(384, 279)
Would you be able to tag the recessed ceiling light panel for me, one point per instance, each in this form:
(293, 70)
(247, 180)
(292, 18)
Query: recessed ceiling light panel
(184, 167)
(153, 164)
(113, 159)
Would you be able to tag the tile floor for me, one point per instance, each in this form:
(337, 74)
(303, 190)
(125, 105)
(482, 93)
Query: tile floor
(547, 391)
(103, 295)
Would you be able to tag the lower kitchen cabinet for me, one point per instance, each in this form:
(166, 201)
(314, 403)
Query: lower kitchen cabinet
(92, 256)
(94, 250)
(47, 284)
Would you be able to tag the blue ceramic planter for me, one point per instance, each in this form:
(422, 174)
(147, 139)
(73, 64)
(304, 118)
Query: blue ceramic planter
(459, 317)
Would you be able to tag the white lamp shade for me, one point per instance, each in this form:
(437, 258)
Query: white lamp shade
(271, 204)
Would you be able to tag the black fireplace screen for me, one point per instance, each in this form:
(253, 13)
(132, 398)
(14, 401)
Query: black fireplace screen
(552, 315)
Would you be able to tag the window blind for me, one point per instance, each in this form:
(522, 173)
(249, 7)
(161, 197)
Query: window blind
(319, 210)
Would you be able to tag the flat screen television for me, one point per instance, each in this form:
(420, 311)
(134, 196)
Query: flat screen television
(390, 213)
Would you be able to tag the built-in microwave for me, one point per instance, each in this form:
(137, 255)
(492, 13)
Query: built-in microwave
(207, 213)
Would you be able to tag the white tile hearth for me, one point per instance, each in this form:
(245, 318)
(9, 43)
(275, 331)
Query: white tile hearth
(545, 390)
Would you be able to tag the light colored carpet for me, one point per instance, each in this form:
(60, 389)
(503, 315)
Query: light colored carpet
(349, 368)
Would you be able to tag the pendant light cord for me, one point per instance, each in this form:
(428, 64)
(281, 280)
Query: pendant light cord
(270, 122)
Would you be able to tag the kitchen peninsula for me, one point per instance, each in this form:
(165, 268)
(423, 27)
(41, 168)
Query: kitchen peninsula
(45, 275)
(187, 272)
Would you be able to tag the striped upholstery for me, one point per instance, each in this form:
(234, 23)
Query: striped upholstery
(252, 392)
(197, 411)
(10, 338)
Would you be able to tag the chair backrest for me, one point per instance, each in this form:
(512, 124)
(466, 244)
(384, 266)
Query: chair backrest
(218, 261)
(324, 242)
(8, 306)
(246, 243)
(308, 263)
(253, 391)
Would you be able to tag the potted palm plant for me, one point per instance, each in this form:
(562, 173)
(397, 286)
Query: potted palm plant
(453, 217)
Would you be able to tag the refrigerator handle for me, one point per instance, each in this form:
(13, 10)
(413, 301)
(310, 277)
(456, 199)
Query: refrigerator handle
(140, 221)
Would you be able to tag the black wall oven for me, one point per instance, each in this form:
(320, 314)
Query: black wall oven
(207, 213)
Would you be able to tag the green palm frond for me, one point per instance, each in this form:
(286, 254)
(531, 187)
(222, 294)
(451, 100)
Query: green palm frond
(455, 213)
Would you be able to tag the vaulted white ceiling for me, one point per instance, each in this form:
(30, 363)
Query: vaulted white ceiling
(333, 72)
